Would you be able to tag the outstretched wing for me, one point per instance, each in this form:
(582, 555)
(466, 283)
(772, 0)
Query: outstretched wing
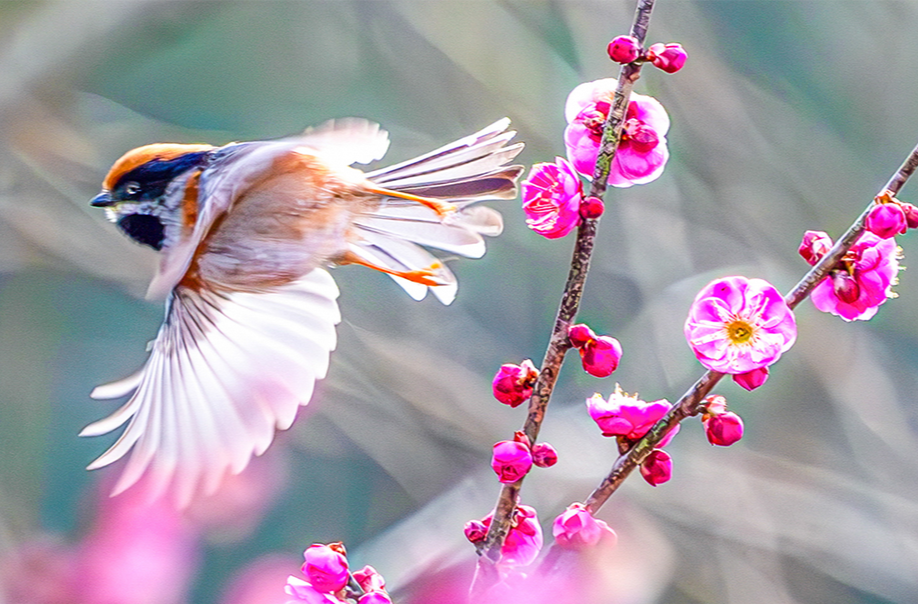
(226, 371)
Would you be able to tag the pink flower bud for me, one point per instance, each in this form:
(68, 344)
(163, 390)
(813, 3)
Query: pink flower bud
(600, 357)
(304, 593)
(911, 215)
(512, 385)
(751, 379)
(511, 460)
(657, 468)
(592, 208)
(845, 287)
(580, 335)
(325, 568)
(544, 455)
(886, 220)
(668, 57)
(814, 246)
(624, 49)
(369, 579)
(475, 531)
(375, 597)
(723, 429)
(576, 528)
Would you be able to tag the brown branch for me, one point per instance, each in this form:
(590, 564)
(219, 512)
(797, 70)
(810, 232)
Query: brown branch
(558, 345)
(687, 405)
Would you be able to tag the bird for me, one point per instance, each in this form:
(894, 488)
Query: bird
(244, 234)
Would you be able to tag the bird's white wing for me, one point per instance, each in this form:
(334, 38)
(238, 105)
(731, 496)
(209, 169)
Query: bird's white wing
(225, 372)
(351, 140)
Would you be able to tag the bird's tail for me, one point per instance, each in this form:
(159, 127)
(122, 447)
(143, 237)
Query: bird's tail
(429, 202)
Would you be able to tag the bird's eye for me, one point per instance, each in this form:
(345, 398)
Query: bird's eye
(132, 188)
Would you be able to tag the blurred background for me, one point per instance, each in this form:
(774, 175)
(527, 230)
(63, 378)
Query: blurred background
(788, 116)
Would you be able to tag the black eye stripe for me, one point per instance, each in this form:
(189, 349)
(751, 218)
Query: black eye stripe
(152, 178)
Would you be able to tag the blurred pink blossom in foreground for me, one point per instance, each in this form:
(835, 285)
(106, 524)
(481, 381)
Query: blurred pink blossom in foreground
(642, 152)
(737, 325)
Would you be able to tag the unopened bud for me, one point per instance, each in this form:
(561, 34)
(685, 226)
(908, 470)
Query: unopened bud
(624, 49)
(751, 379)
(845, 286)
(657, 468)
(911, 215)
(475, 531)
(814, 246)
(592, 208)
(601, 356)
(886, 220)
(668, 57)
(544, 455)
(580, 335)
(511, 460)
(723, 429)
(512, 385)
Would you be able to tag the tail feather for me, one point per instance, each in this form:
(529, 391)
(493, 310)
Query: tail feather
(462, 173)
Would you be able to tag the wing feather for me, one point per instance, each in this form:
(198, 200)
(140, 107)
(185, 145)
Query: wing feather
(226, 371)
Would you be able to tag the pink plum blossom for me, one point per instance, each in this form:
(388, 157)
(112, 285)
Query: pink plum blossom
(814, 246)
(723, 429)
(511, 460)
(577, 528)
(624, 49)
(886, 220)
(305, 593)
(855, 291)
(627, 416)
(544, 455)
(641, 154)
(668, 57)
(736, 325)
(524, 540)
(325, 567)
(512, 385)
(551, 198)
(141, 550)
(657, 467)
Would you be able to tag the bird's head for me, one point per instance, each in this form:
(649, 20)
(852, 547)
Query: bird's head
(137, 195)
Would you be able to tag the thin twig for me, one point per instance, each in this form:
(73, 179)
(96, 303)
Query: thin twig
(558, 345)
(687, 406)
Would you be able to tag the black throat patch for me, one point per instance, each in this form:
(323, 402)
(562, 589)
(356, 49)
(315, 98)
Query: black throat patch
(145, 229)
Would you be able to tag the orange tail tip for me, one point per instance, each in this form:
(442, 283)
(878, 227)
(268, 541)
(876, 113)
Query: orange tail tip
(429, 276)
(442, 208)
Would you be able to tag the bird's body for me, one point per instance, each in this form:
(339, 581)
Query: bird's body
(244, 232)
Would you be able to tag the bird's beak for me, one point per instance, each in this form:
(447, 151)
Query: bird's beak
(102, 200)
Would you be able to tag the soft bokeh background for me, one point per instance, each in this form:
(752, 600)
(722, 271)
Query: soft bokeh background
(788, 116)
